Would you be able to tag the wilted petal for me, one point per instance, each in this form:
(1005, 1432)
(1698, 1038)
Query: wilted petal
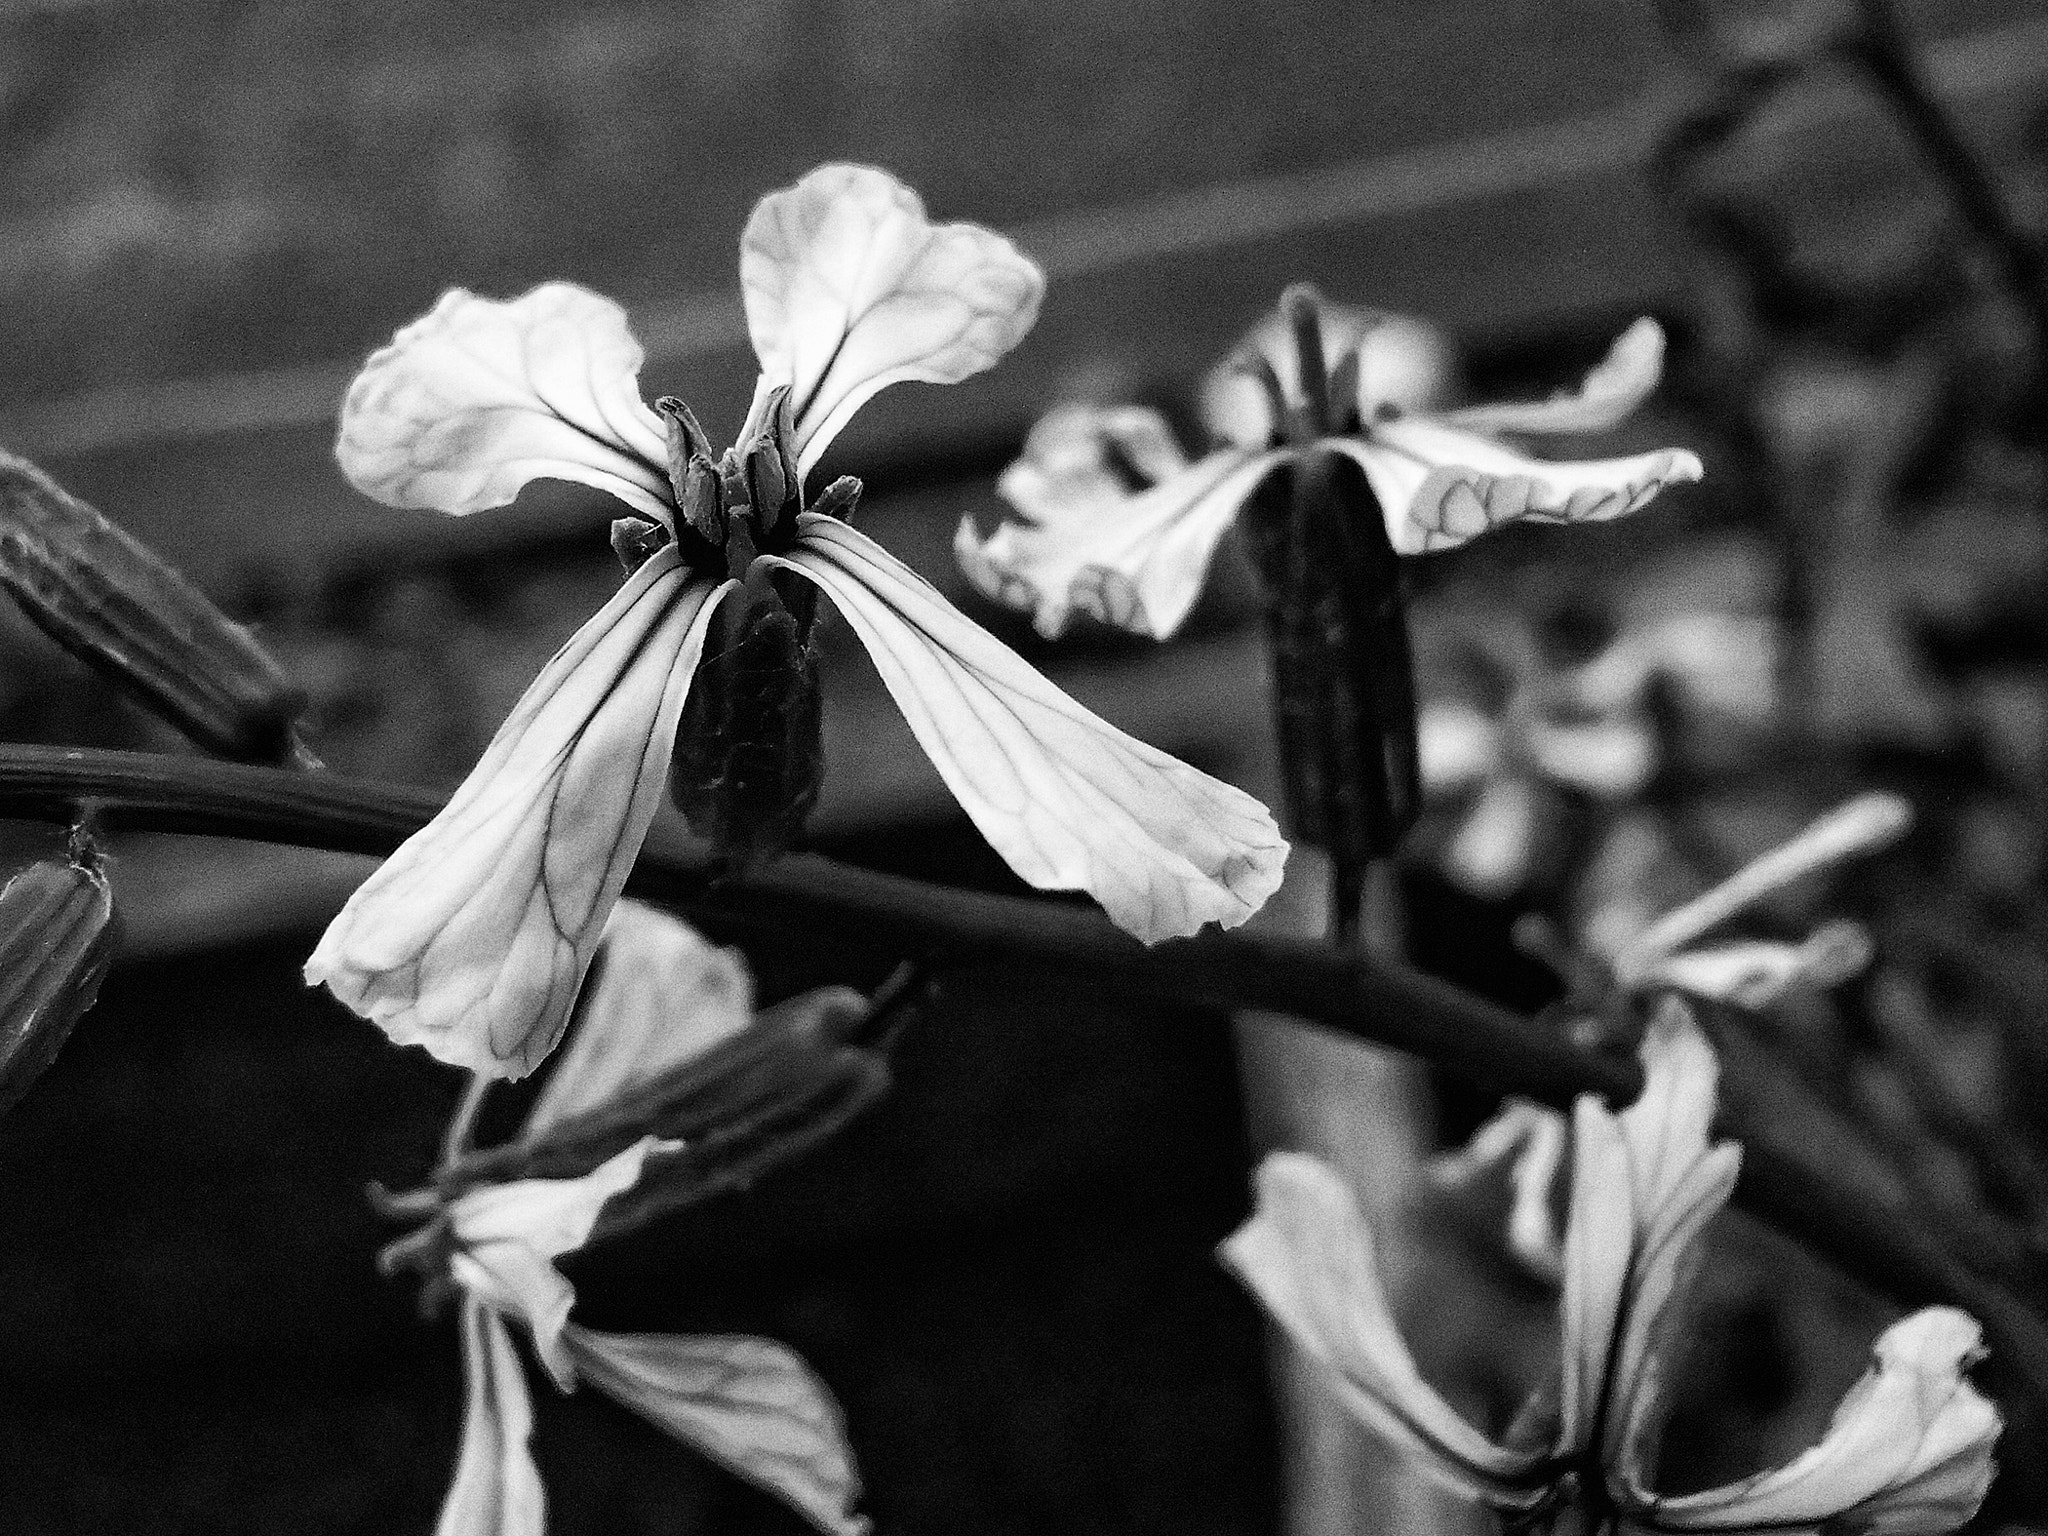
(1403, 363)
(1068, 800)
(749, 1404)
(1607, 396)
(1439, 486)
(1308, 1255)
(1909, 1450)
(479, 396)
(472, 938)
(849, 289)
(497, 1489)
(1089, 540)
(661, 994)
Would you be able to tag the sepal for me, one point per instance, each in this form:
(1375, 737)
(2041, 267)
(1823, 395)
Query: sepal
(56, 941)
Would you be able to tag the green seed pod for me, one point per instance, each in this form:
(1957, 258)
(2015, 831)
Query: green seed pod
(56, 938)
(110, 601)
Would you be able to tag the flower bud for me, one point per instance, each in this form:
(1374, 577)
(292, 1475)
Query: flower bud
(56, 938)
(109, 600)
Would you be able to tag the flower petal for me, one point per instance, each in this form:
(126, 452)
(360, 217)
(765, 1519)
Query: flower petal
(472, 938)
(1608, 759)
(1528, 1142)
(479, 396)
(1308, 1255)
(1493, 848)
(661, 994)
(749, 1404)
(1439, 486)
(1909, 1449)
(1599, 1237)
(1403, 363)
(1753, 973)
(497, 1489)
(1088, 541)
(513, 1280)
(1607, 396)
(849, 289)
(1459, 745)
(550, 1216)
(1069, 801)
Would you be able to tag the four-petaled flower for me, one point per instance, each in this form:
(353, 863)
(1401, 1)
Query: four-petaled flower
(664, 998)
(1909, 1449)
(1119, 524)
(473, 938)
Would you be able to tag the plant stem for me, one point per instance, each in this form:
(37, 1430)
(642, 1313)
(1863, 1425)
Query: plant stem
(1787, 1179)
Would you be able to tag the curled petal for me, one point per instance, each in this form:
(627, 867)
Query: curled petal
(661, 993)
(749, 1404)
(512, 1280)
(1404, 364)
(1607, 396)
(1528, 1140)
(1908, 1451)
(549, 1216)
(497, 1489)
(1135, 559)
(1439, 486)
(849, 289)
(472, 938)
(1308, 1255)
(479, 396)
(1068, 800)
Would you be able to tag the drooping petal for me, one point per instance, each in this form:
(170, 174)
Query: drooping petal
(1439, 486)
(1599, 1237)
(1069, 801)
(749, 1404)
(1607, 396)
(849, 288)
(472, 938)
(513, 1280)
(1308, 1255)
(1908, 1452)
(1133, 557)
(1403, 363)
(497, 1489)
(661, 994)
(479, 396)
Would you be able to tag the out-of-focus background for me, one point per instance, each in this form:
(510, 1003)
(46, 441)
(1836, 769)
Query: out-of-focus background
(213, 211)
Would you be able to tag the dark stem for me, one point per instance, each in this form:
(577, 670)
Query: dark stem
(1787, 1179)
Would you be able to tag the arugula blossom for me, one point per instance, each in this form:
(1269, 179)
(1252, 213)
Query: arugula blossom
(664, 998)
(473, 938)
(1908, 1451)
(1118, 523)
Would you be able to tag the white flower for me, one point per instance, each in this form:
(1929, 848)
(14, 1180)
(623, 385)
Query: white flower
(1117, 521)
(1909, 1450)
(664, 997)
(471, 940)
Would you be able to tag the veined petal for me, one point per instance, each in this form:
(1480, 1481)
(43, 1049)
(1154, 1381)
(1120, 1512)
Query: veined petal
(661, 994)
(479, 396)
(472, 938)
(497, 1489)
(1607, 396)
(849, 288)
(749, 1404)
(1068, 800)
(1135, 559)
(1439, 486)
(1308, 1255)
(1909, 1450)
